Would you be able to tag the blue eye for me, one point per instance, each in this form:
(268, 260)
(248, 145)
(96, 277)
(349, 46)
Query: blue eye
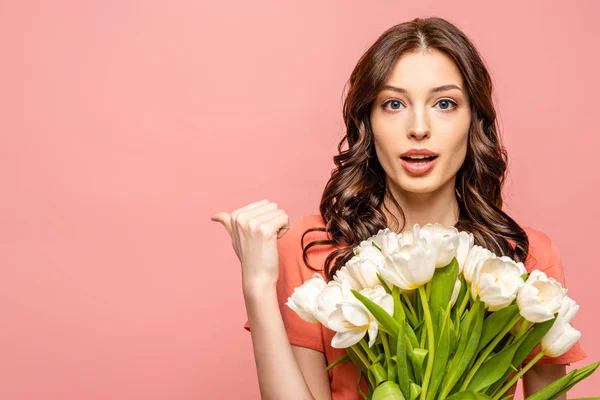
(391, 102)
(397, 103)
(447, 102)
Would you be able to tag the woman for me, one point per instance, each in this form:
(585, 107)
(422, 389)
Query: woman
(421, 87)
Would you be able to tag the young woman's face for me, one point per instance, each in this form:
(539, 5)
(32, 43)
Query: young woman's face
(409, 114)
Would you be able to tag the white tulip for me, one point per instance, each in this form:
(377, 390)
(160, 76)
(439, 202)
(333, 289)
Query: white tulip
(476, 256)
(455, 292)
(568, 309)
(443, 239)
(386, 240)
(465, 243)
(361, 270)
(496, 282)
(344, 275)
(410, 266)
(560, 338)
(410, 236)
(327, 300)
(519, 264)
(351, 320)
(302, 301)
(540, 297)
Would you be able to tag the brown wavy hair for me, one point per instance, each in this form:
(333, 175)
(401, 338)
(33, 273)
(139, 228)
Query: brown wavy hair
(353, 198)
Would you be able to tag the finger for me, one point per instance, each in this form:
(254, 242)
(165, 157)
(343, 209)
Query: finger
(265, 216)
(251, 206)
(280, 223)
(224, 218)
(257, 211)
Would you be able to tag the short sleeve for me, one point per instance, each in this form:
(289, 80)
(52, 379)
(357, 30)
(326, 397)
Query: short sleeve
(555, 270)
(292, 273)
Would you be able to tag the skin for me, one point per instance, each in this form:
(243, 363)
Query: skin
(415, 119)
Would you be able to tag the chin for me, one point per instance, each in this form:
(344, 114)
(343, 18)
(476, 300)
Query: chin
(418, 187)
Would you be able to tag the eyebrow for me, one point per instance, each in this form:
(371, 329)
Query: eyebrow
(433, 90)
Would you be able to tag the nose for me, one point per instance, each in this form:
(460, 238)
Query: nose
(420, 126)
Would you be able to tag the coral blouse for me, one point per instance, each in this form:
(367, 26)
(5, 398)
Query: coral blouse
(543, 255)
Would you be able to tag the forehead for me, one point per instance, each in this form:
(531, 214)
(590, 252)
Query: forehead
(423, 69)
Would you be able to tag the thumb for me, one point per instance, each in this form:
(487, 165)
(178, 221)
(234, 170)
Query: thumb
(224, 218)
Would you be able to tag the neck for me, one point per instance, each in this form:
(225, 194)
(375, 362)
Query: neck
(440, 206)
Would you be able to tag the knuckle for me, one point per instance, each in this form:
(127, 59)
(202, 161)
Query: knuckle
(252, 225)
(264, 230)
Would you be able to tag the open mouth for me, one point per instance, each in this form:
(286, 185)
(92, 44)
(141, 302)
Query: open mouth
(420, 161)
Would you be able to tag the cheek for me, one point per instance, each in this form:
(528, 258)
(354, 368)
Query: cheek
(455, 154)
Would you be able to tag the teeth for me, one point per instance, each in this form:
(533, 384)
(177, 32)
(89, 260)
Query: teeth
(418, 157)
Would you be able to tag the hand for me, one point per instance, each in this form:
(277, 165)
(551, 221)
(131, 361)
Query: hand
(254, 230)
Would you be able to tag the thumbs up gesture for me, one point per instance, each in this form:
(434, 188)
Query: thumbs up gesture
(254, 230)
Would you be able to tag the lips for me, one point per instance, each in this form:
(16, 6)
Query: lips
(418, 152)
(418, 166)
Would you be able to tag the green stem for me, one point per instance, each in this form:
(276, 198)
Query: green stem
(463, 304)
(518, 375)
(367, 349)
(483, 356)
(386, 346)
(412, 315)
(386, 351)
(360, 354)
(431, 339)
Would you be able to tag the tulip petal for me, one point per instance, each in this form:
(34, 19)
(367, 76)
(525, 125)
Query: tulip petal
(373, 329)
(356, 314)
(342, 340)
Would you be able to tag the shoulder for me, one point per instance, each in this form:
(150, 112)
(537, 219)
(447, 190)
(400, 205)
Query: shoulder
(543, 253)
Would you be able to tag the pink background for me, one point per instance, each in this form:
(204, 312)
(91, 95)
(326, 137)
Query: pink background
(125, 124)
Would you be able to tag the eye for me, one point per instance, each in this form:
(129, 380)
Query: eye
(447, 102)
(393, 102)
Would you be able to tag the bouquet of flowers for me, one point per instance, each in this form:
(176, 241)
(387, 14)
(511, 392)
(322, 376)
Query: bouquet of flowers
(445, 319)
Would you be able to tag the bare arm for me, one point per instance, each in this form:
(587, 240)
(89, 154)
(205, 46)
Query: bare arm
(540, 376)
(284, 371)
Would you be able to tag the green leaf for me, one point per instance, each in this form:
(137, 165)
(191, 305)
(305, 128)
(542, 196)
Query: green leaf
(442, 286)
(417, 358)
(384, 284)
(389, 324)
(581, 374)
(471, 330)
(468, 395)
(399, 314)
(379, 373)
(402, 361)
(442, 353)
(534, 337)
(494, 324)
(415, 391)
(412, 337)
(565, 383)
(551, 390)
(388, 391)
(343, 359)
(453, 337)
(494, 368)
